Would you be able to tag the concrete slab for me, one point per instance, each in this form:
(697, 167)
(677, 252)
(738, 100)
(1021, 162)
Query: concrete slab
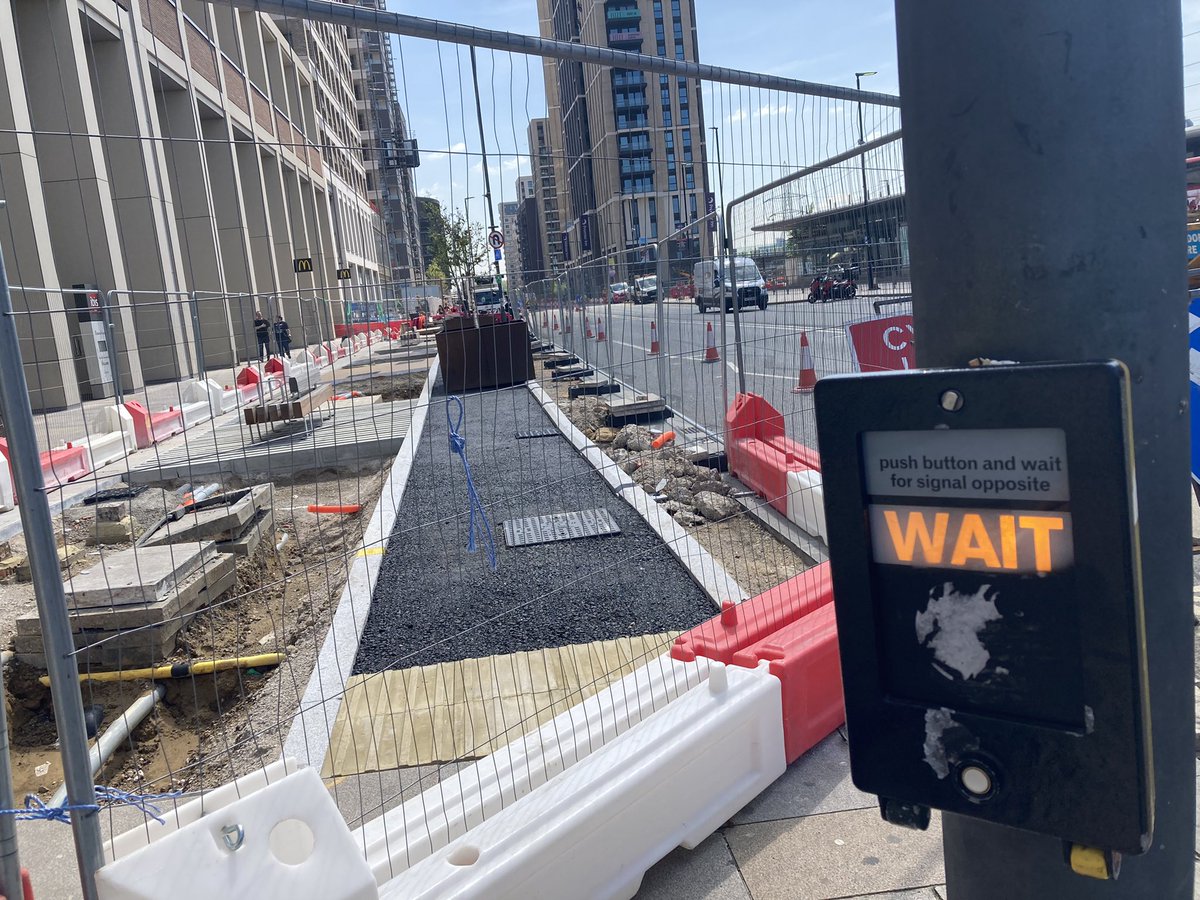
(138, 575)
(818, 782)
(133, 636)
(842, 854)
(595, 386)
(708, 872)
(217, 522)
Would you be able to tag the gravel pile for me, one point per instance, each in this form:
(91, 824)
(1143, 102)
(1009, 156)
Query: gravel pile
(692, 494)
(434, 602)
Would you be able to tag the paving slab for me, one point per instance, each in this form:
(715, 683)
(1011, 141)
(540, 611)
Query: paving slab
(840, 854)
(708, 872)
(138, 575)
(225, 520)
(818, 782)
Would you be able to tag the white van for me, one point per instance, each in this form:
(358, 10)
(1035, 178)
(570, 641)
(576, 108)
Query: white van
(751, 289)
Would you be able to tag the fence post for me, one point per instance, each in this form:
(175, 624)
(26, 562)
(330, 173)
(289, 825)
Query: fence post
(52, 610)
(1016, 256)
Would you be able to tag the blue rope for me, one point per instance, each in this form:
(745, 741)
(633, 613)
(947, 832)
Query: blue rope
(35, 810)
(458, 444)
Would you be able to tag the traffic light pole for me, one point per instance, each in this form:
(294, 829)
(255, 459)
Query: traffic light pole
(1044, 164)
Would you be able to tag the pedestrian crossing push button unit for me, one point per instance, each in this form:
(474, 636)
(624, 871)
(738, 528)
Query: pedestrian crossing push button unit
(984, 550)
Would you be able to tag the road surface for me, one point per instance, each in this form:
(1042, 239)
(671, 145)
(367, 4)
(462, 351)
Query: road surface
(695, 388)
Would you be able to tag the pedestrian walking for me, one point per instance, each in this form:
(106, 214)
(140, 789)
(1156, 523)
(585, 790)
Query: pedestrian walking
(283, 337)
(262, 333)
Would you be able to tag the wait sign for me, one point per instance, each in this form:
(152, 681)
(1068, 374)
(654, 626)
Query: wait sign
(984, 556)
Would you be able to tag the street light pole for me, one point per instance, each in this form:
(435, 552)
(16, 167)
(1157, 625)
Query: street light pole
(862, 162)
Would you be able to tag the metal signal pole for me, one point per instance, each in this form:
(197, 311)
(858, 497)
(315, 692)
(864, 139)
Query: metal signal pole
(1045, 193)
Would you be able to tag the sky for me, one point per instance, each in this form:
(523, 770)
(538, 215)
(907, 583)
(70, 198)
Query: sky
(816, 40)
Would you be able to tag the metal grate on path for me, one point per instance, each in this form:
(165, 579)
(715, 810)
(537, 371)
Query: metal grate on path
(559, 527)
(537, 433)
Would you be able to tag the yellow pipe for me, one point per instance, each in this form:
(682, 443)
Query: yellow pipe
(182, 670)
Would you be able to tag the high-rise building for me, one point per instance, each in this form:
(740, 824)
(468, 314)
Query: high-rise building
(633, 143)
(512, 253)
(157, 149)
(547, 164)
(530, 240)
(525, 187)
(388, 154)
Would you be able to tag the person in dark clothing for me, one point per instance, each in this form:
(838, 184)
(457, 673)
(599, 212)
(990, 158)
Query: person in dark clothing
(262, 333)
(283, 337)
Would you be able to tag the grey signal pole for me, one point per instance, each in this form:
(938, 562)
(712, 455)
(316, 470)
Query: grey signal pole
(1044, 160)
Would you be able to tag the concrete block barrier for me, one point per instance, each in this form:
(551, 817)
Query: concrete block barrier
(105, 448)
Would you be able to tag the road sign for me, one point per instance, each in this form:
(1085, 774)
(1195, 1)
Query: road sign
(498, 254)
(495, 240)
(880, 345)
(988, 593)
(302, 264)
(343, 274)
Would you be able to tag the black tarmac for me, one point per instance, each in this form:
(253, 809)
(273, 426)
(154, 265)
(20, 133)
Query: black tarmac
(434, 602)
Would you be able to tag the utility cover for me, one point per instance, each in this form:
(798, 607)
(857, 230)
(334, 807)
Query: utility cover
(559, 527)
(537, 433)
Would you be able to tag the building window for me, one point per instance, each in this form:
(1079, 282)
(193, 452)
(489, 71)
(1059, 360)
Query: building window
(653, 211)
(679, 49)
(635, 222)
(675, 8)
(675, 211)
(672, 182)
(667, 116)
(692, 207)
(684, 116)
(689, 178)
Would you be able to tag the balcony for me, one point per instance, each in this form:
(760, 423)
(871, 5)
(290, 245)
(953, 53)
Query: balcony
(619, 13)
(632, 80)
(629, 101)
(636, 166)
(624, 122)
(633, 146)
(625, 36)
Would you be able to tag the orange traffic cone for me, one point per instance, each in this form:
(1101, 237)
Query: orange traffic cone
(653, 338)
(567, 317)
(556, 321)
(600, 338)
(808, 375)
(587, 328)
(545, 319)
(710, 346)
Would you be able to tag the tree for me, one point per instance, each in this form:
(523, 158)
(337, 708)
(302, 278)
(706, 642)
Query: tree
(457, 249)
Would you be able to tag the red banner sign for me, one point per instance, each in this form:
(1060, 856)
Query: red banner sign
(883, 344)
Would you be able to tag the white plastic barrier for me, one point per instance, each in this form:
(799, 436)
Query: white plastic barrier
(286, 839)
(105, 448)
(594, 830)
(462, 800)
(116, 418)
(806, 502)
(194, 413)
(8, 497)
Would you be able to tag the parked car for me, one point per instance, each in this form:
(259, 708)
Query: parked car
(778, 283)
(751, 289)
(619, 292)
(645, 289)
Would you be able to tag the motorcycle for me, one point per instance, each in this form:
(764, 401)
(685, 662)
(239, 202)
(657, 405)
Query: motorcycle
(826, 287)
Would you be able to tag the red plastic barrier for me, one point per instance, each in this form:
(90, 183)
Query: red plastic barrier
(149, 428)
(741, 624)
(759, 451)
(59, 466)
(249, 375)
(804, 657)
(274, 364)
